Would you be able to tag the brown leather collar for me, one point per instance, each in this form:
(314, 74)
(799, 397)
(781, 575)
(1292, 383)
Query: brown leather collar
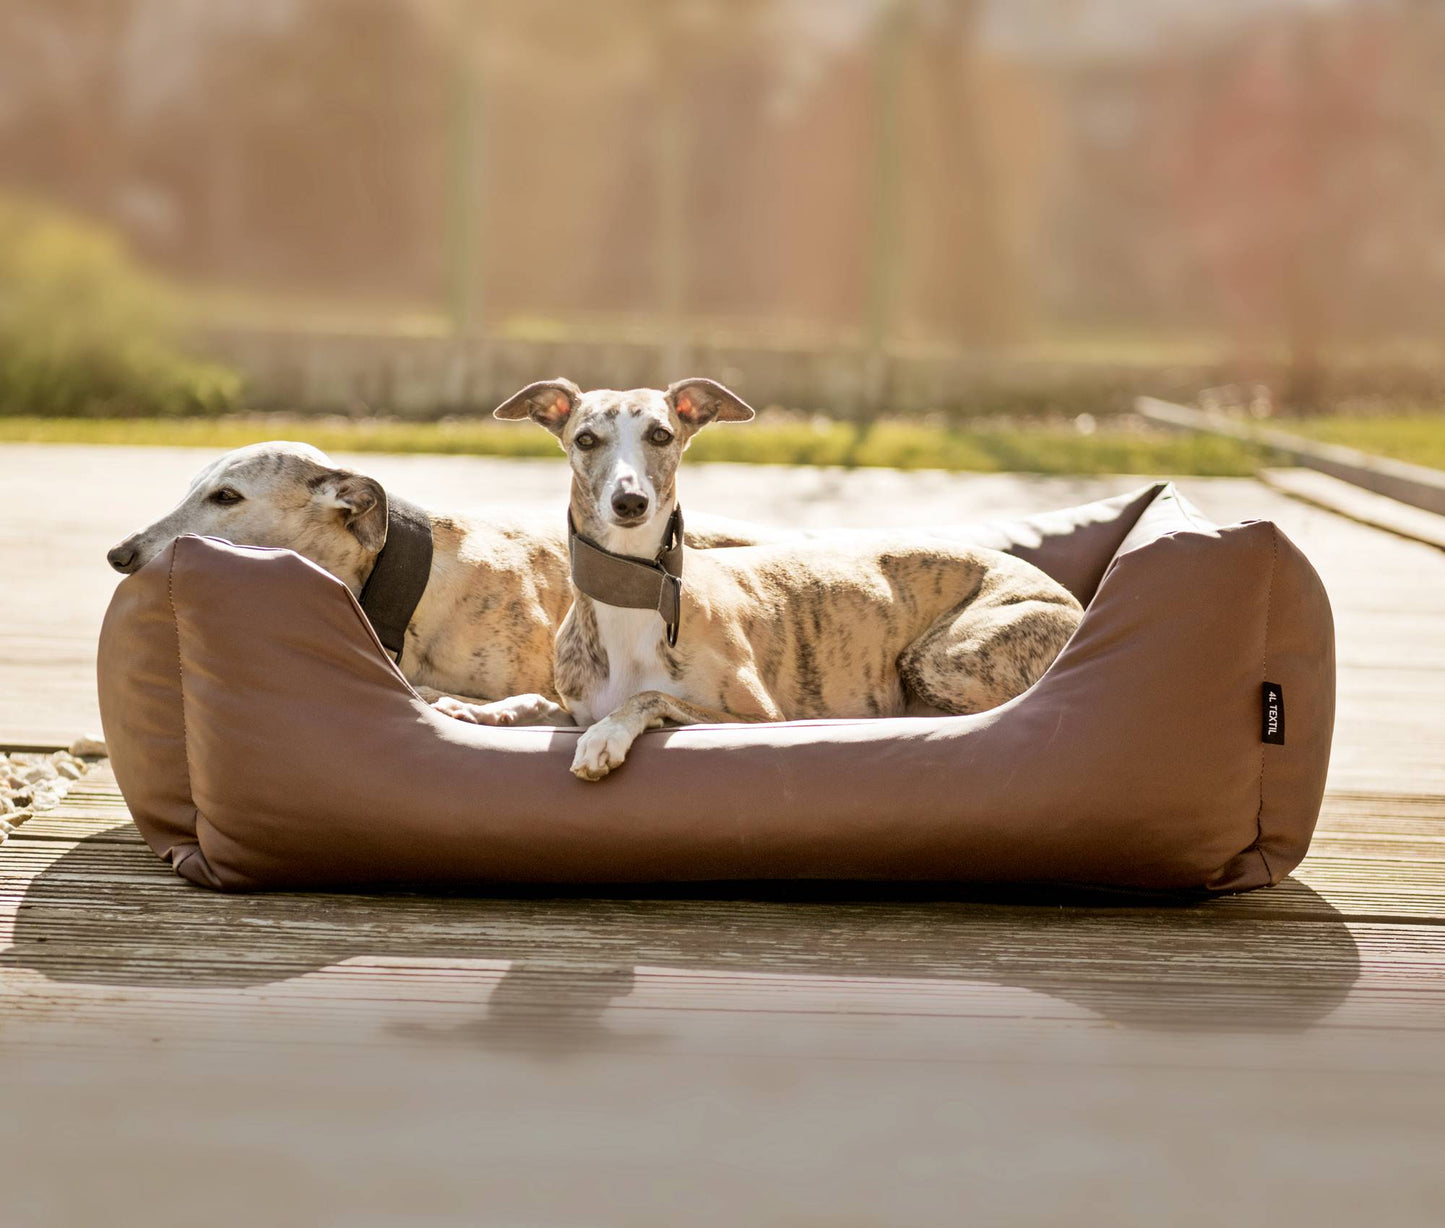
(629, 581)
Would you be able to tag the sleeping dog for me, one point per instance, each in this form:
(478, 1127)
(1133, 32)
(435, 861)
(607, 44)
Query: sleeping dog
(495, 593)
(659, 632)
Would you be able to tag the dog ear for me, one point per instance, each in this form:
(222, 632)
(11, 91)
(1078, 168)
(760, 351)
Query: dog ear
(697, 402)
(548, 403)
(362, 503)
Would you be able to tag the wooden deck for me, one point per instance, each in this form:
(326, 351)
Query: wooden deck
(170, 1056)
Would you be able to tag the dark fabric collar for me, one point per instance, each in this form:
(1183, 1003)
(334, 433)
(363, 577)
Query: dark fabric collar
(629, 581)
(400, 574)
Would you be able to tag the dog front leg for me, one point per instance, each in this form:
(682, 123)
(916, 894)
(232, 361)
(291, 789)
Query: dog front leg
(604, 746)
(518, 710)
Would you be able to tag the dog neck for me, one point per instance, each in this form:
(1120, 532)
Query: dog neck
(633, 599)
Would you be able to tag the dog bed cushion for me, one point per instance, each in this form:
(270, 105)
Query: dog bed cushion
(264, 739)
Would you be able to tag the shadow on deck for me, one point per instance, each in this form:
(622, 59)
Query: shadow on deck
(1160, 965)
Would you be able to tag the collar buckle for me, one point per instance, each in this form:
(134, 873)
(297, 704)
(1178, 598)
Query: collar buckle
(671, 599)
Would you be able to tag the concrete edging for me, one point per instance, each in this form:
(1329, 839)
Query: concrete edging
(1362, 506)
(1415, 485)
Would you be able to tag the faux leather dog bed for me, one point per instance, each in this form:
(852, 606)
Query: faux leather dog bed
(263, 739)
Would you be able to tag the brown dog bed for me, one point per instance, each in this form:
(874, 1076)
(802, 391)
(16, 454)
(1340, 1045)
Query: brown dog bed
(263, 739)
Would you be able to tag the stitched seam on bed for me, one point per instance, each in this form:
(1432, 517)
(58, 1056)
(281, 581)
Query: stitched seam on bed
(181, 686)
(1263, 676)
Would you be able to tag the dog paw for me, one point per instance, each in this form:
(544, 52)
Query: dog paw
(518, 710)
(474, 714)
(456, 709)
(521, 710)
(601, 750)
(499, 712)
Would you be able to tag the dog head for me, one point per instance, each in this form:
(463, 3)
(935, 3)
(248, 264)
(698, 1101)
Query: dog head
(275, 494)
(624, 447)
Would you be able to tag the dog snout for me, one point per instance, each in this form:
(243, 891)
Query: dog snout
(125, 558)
(629, 504)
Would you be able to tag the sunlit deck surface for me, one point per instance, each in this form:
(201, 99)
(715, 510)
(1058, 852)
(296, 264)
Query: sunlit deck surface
(173, 1056)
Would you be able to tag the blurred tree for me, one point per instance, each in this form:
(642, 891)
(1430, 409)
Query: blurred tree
(466, 177)
(277, 140)
(976, 142)
(63, 67)
(1260, 165)
(322, 150)
(885, 255)
(1300, 173)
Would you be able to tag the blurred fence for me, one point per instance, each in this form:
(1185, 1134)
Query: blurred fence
(357, 373)
(428, 376)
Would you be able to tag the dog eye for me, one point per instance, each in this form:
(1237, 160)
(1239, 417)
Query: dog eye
(226, 495)
(661, 436)
(585, 440)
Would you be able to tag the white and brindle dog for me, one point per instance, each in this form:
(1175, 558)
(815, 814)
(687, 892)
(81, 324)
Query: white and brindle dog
(495, 594)
(771, 632)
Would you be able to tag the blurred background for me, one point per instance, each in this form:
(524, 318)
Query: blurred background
(963, 233)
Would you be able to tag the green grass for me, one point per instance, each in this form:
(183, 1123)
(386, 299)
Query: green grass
(903, 445)
(1410, 437)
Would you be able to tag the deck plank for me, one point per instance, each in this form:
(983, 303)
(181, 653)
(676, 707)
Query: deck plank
(1374, 855)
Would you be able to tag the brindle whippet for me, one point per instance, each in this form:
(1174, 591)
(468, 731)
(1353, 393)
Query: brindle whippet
(497, 588)
(772, 632)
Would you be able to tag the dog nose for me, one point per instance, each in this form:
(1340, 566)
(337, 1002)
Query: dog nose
(123, 558)
(629, 504)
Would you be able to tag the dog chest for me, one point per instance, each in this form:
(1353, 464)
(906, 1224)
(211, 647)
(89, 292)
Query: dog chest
(632, 640)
